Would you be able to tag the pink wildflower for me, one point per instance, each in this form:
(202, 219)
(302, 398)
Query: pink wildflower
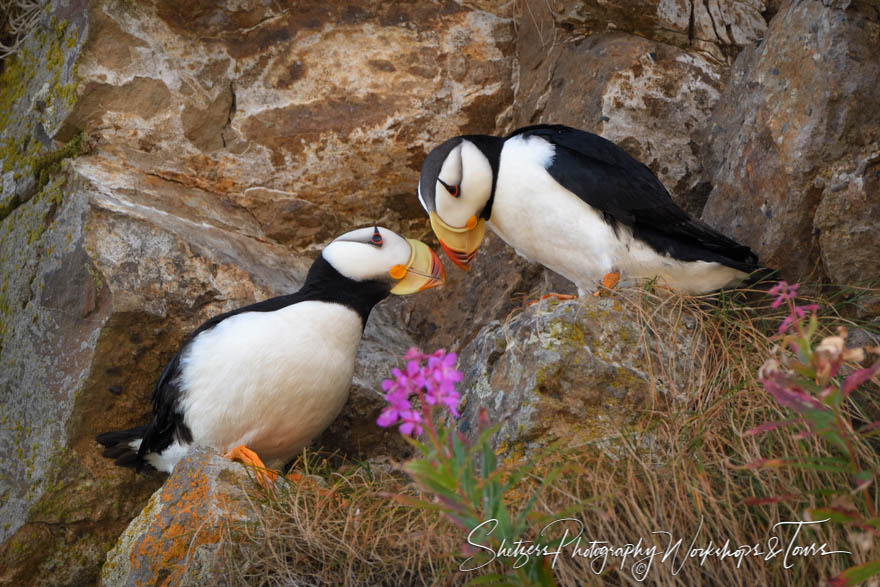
(437, 378)
(783, 292)
(411, 425)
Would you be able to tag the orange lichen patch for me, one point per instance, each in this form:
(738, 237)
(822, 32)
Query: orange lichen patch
(185, 522)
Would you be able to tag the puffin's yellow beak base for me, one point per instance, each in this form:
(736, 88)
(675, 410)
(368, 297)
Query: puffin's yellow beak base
(460, 244)
(423, 271)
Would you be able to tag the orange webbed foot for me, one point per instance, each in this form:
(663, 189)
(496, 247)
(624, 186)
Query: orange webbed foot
(608, 282)
(242, 454)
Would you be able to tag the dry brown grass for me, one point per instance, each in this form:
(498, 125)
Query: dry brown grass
(340, 525)
(683, 466)
(17, 19)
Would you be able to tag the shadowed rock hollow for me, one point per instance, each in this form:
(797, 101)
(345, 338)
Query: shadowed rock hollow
(213, 148)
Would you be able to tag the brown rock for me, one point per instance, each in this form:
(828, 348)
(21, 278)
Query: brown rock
(793, 149)
(716, 28)
(500, 281)
(332, 105)
(227, 145)
(848, 218)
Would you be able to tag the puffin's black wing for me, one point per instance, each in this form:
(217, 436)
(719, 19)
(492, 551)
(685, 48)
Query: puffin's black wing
(626, 192)
(167, 423)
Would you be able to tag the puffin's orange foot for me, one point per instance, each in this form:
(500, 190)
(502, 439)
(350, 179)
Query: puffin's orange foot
(558, 296)
(244, 455)
(608, 282)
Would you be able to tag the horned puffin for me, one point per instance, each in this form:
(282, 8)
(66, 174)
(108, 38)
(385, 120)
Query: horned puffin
(576, 203)
(273, 375)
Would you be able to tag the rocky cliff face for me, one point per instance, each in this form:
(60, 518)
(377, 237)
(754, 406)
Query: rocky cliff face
(163, 162)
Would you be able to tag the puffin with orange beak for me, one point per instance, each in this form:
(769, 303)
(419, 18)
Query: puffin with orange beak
(265, 379)
(579, 205)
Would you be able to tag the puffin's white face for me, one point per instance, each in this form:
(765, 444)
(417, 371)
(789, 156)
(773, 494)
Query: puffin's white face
(464, 185)
(379, 254)
(454, 188)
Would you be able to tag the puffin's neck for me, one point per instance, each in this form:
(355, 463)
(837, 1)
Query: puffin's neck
(324, 283)
(491, 148)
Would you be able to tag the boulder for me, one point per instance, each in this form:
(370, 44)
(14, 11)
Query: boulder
(579, 371)
(309, 119)
(499, 282)
(634, 76)
(716, 28)
(793, 149)
(179, 537)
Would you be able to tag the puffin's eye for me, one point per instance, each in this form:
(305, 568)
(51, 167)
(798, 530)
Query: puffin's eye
(452, 189)
(377, 238)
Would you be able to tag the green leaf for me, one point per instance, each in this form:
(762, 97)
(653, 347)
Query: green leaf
(548, 480)
(834, 515)
(493, 579)
(827, 464)
(864, 476)
(805, 371)
(813, 326)
(832, 436)
(858, 574)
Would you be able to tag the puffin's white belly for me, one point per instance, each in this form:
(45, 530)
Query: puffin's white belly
(270, 380)
(548, 224)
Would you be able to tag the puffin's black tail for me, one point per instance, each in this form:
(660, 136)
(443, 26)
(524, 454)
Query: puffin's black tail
(761, 276)
(117, 445)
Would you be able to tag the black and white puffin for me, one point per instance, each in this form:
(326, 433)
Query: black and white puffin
(273, 375)
(576, 203)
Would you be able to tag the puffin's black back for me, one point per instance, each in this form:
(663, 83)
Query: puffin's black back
(323, 283)
(626, 192)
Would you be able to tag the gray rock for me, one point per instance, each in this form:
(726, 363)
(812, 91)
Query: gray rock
(793, 151)
(178, 538)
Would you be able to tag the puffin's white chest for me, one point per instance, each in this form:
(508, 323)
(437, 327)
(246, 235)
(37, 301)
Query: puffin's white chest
(545, 222)
(271, 380)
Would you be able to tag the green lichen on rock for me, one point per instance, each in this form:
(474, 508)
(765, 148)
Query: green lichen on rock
(37, 90)
(50, 163)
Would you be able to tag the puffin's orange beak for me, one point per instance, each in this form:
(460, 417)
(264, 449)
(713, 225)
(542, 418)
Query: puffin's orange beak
(423, 271)
(460, 244)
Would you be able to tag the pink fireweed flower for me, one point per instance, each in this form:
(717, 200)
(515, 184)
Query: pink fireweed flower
(437, 378)
(440, 379)
(799, 313)
(388, 417)
(412, 423)
(398, 391)
(784, 292)
(414, 354)
(398, 402)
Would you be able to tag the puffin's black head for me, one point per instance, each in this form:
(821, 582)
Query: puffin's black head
(455, 188)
